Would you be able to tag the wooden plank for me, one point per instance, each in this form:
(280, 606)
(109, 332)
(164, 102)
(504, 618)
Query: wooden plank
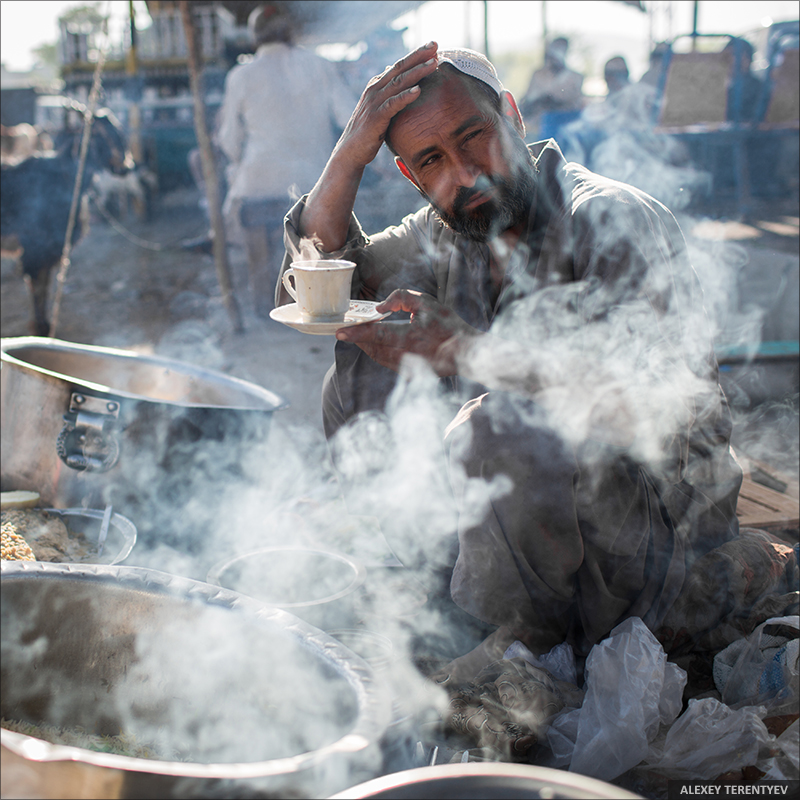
(767, 475)
(759, 507)
(770, 499)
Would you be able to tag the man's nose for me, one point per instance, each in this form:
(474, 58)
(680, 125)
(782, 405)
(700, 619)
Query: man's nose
(466, 172)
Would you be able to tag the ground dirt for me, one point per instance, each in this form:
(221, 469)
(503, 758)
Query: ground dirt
(120, 292)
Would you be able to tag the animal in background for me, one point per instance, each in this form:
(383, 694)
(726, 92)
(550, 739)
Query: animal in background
(36, 195)
(113, 193)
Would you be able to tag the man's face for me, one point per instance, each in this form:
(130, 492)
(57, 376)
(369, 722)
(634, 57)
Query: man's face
(469, 163)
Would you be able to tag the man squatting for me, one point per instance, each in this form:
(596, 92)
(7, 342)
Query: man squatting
(563, 307)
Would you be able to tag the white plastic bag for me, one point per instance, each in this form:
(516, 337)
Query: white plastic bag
(762, 668)
(710, 738)
(559, 662)
(631, 690)
(785, 764)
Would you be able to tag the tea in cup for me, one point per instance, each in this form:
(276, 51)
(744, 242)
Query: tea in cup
(321, 288)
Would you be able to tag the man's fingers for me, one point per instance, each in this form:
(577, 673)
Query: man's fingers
(412, 67)
(371, 333)
(397, 102)
(401, 300)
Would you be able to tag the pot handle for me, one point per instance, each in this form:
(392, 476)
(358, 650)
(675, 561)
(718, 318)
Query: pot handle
(87, 441)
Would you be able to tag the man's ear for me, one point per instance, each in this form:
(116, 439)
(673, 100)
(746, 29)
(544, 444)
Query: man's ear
(510, 109)
(405, 170)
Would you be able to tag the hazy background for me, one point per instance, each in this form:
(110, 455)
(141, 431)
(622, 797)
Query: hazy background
(598, 29)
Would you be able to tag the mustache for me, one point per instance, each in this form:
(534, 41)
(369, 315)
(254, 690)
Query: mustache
(465, 194)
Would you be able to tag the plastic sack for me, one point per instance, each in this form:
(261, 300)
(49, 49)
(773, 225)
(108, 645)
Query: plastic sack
(785, 764)
(631, 690)
(710, 738)
(763, 667)
(559, 662)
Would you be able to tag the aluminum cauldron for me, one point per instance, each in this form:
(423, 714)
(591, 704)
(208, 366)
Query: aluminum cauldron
(237, 699)
(88, 426)
(486, 781)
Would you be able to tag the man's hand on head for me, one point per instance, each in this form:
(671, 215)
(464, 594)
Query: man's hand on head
(385, 95)
(434, 332)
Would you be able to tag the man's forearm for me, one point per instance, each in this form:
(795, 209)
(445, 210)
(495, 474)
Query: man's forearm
(329, 206)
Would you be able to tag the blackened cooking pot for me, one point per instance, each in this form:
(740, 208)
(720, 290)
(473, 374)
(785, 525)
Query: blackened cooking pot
(159, 440)
(235, 698)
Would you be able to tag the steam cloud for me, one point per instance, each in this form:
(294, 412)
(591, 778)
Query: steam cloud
(310, 249)
(260, 491)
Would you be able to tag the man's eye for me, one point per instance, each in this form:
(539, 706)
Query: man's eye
(429, 160)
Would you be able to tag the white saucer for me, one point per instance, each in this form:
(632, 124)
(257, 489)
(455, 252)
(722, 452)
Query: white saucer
(360, 311)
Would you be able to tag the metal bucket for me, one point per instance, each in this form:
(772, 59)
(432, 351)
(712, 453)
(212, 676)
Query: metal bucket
(88, 426)
(120, 535)
(236, 699)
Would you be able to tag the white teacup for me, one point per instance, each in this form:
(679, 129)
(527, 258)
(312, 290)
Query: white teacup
(321, 288)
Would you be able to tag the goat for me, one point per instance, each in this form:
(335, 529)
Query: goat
(36, 195)
(138, 185)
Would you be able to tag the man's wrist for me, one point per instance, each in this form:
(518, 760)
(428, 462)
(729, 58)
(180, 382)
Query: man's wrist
(454, 355)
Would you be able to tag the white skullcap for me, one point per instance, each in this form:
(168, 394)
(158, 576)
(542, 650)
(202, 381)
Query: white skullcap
(474, 64)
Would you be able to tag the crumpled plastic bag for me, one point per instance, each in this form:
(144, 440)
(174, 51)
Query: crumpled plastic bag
(631, 691)
(784, 765)
(710, 738)
(763, 667)
(559, 662)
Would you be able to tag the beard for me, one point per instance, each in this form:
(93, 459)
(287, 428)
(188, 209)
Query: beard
(509, 206)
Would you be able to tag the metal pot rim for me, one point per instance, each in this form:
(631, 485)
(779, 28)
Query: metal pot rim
(360, 571)
(272, 401)
(373, 714)
(429, 776)
(123, 525)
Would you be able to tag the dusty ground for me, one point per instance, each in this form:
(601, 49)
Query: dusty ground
(167, 301)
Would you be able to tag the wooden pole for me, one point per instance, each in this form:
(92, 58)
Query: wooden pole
(544, 25)
(134, 112)
(486, 29)
(209, 168)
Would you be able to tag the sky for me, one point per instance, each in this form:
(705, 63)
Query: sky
(513, 24)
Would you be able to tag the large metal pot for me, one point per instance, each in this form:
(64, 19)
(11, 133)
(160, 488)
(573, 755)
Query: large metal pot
(492, 781)
(88, 426)
(258, 702)
(315, 584)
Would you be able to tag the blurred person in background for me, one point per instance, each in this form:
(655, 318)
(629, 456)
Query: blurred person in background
(554, 90)
(746, 89)
(280, 117)
(616, 75)
(656, 65)
(616, 137)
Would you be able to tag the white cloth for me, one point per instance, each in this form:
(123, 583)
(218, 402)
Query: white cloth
(277, 122)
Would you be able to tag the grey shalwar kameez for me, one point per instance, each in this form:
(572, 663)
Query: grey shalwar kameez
(592, 531)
